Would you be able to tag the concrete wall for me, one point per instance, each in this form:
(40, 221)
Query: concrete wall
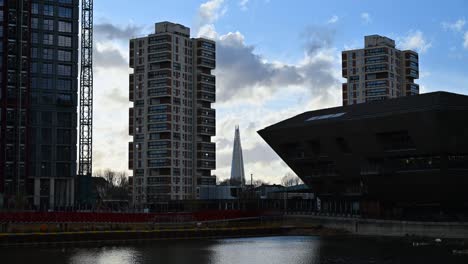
(375, 227)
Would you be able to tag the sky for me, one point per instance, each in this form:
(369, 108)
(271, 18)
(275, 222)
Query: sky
(275, 59)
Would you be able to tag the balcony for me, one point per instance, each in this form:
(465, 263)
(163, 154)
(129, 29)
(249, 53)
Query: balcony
(206, 79)
(208, 63)
(207, 112)
(206, 130)
(412, 89)
(205, 146)
(158, 83)
(207, 88)
(159, 74)
(159, 163)
(206, 45)
(159, 144)
(204, 96)
(203, 121)
(208, 165)
(159, 92)
(376, 84)
(412, 73)
(159, 40)
(160, 57)
(210, 156)
(376, 52)
(159, 48)
(131, 86)
(130, 122)
(377, 59)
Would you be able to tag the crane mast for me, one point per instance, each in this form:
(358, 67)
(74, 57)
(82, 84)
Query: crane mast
(86, 90)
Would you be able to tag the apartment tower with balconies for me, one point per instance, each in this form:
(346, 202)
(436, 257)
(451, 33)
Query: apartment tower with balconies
(171, 121)
(379, 71)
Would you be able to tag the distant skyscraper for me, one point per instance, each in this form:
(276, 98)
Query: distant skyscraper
(237, 166)
(379, 71)
(172, 88)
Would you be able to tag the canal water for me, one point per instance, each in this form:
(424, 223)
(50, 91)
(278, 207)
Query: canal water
(270, 250)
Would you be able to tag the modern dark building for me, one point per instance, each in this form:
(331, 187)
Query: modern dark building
(38, 102)
(400, 158)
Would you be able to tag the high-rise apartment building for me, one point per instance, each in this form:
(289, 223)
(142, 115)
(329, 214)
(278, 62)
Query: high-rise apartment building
(379, 71)
(38, 102)
(171, 121)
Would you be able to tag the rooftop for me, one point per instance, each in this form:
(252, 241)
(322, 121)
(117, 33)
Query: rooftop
(416, 103)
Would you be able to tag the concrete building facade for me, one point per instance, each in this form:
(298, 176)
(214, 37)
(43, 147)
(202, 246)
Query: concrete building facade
(38, 101)
(379, 71)
(171, 120)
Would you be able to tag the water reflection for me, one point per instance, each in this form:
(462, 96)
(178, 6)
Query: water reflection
(271, 250)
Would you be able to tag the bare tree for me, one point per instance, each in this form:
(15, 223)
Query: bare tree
(259, 182)
(225, 182)
(290, 179)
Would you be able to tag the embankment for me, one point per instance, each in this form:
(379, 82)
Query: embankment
(373, 227)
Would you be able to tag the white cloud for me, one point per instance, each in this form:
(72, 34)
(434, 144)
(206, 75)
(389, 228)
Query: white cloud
(252, 91)
(455, 26)
(465, 42)
(243, 4)
(366, 18)
(414, 40)
(333, 19)
(208, 13)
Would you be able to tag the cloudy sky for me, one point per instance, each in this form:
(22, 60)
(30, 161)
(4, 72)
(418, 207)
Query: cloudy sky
(275, 59)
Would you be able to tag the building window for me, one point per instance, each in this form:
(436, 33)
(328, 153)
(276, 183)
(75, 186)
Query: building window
(64, 26)
(35, 8)
(47, 68)
(48, 39)
(64, 84)
(34, 22)
(47, 83)
(64, 70)
(48, 54)
(64, 135)
(48, 24)
(64, 55)
(64, 119)
(65, 12)
(64, 41)
(34, 53)
(34, 67)
(48, 10)
(34, 38)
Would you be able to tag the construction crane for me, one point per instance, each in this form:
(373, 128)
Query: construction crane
(85, 167)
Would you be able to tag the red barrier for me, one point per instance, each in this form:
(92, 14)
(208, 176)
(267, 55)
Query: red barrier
(82, 217)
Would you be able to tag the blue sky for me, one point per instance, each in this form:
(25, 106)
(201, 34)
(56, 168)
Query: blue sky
(275, 59)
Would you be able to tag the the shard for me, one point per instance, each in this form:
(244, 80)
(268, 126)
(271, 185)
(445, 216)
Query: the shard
(237, 166)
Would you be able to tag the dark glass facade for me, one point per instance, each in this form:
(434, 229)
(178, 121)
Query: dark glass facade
(404, 158)
(46, 134)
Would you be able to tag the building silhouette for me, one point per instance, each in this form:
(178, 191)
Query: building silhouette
(39, 69)
(171, 120)
(237, 165)
(403, 158)
(379, 71)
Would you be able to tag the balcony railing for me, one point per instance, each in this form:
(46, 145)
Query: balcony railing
(206, 146)
(204, 96)
(206, 130)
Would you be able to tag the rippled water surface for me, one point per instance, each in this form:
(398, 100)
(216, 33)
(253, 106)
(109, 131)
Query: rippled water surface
(271, 250)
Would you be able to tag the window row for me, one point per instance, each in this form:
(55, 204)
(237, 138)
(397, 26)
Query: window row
(49, 24)
(50, 39)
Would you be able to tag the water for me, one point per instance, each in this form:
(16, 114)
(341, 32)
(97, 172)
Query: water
(271, 250)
